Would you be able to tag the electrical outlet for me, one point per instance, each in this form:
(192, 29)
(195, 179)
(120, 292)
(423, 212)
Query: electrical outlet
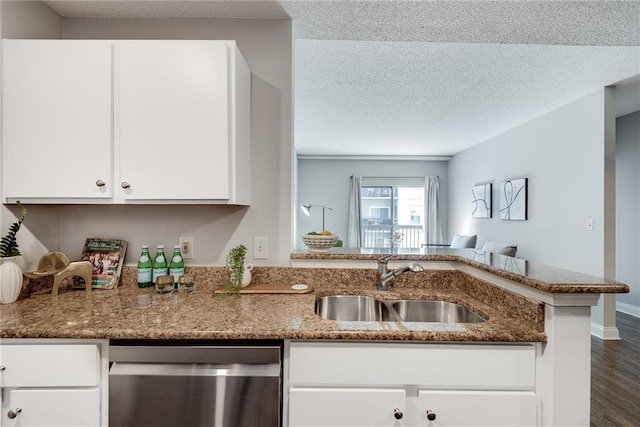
(589, 224)
(260, 247)
(186, 247)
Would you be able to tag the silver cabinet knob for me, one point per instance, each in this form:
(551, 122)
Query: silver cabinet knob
(13, 413)
(431, 416)
(125, 185)
(100, 183)
(397, 413)
(2, 367)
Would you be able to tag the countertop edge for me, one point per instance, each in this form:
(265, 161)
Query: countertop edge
(567, 281)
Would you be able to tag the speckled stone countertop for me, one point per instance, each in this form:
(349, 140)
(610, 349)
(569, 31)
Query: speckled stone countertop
(131, 313)
(541, 277)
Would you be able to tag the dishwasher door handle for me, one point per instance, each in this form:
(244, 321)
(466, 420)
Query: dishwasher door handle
(195, 369)
(195, 354)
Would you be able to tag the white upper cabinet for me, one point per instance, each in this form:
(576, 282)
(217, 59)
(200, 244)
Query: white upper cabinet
(177, 123)
(56, 120)
(174, 119)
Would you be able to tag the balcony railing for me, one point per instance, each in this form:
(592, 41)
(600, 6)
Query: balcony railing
(379, 236)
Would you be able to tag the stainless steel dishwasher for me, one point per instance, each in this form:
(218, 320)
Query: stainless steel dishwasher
(194, 385)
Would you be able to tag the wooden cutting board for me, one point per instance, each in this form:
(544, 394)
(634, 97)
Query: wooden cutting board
(277, 288)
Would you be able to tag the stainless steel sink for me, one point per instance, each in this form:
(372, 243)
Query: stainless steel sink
(363, 308)
(353, 308)
(434, 311)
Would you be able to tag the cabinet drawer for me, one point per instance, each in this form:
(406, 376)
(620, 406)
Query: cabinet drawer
(324, 407)
(49, 365)
(510, 367)
(52, 407)
(477, 408)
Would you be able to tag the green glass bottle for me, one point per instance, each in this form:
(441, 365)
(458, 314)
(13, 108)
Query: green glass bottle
(144, 268)
(159, 264)
(176, 267)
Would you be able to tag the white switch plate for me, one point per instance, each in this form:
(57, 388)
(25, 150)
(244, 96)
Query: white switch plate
(260, 247)
(589, 224)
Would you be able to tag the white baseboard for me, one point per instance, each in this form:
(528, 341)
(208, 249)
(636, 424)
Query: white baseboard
(629, 309)
(608, 333)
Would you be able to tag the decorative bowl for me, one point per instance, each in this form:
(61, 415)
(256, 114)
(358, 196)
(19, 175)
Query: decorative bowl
(320, 243)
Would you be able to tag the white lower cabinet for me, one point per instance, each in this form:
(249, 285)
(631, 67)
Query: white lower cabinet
(50, 383)
(410, 384)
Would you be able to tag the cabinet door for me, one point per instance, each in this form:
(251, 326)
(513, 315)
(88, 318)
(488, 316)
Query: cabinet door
(172, 120)
(326, 407)
(56, 133)
(51, 407)
(477, 408)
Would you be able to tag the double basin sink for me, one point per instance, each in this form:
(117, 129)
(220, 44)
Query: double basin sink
(364, 308)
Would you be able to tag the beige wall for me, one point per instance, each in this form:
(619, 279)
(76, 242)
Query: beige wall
(29, 20)
(266, 45)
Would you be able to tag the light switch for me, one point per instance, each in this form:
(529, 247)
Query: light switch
(260, 247)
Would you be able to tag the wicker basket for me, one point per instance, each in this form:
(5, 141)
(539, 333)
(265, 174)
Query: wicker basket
(320, 243)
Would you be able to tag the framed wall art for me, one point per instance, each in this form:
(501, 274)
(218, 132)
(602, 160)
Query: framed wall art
(513, 199)
(481, 200)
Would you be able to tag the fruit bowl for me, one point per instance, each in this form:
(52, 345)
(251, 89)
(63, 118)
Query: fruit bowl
(319, 242)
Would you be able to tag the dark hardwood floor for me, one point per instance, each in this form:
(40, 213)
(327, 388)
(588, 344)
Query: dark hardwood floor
(615, 376)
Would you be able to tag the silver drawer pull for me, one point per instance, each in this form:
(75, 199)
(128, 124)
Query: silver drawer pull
(125, 185)
(13, 413)
(100, 183)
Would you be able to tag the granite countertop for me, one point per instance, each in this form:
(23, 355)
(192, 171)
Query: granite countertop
(131, 313)
(541, 277)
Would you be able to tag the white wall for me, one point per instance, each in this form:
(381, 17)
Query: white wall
(266, 45)
(628, 210)
(562, 155)
(327, 182)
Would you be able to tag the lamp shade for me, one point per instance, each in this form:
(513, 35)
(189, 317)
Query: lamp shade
(306, 209)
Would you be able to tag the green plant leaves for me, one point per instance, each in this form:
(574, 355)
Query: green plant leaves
(9, 244)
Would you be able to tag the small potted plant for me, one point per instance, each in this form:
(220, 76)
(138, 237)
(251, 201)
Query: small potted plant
(10, 273)
(235, 266)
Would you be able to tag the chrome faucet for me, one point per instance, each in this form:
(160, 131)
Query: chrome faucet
(384, 274)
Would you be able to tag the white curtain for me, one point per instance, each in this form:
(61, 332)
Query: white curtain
(354, 239)
(433, 232)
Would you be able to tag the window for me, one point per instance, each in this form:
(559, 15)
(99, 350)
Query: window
(379, 215)
(392, 213)
(415, 215)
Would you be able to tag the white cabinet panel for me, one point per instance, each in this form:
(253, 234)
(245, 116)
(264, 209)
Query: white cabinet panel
(477, 408)
(52, 407)
(172, 119)
(56, 131)
(436, 365)
(49, 365)
(326, 407)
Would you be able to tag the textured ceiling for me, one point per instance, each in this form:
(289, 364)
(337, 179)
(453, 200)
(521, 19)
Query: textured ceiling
(428, 77)
(396, 98)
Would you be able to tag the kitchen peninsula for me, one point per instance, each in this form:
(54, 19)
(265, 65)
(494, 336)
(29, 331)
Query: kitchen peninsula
(532, 354)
